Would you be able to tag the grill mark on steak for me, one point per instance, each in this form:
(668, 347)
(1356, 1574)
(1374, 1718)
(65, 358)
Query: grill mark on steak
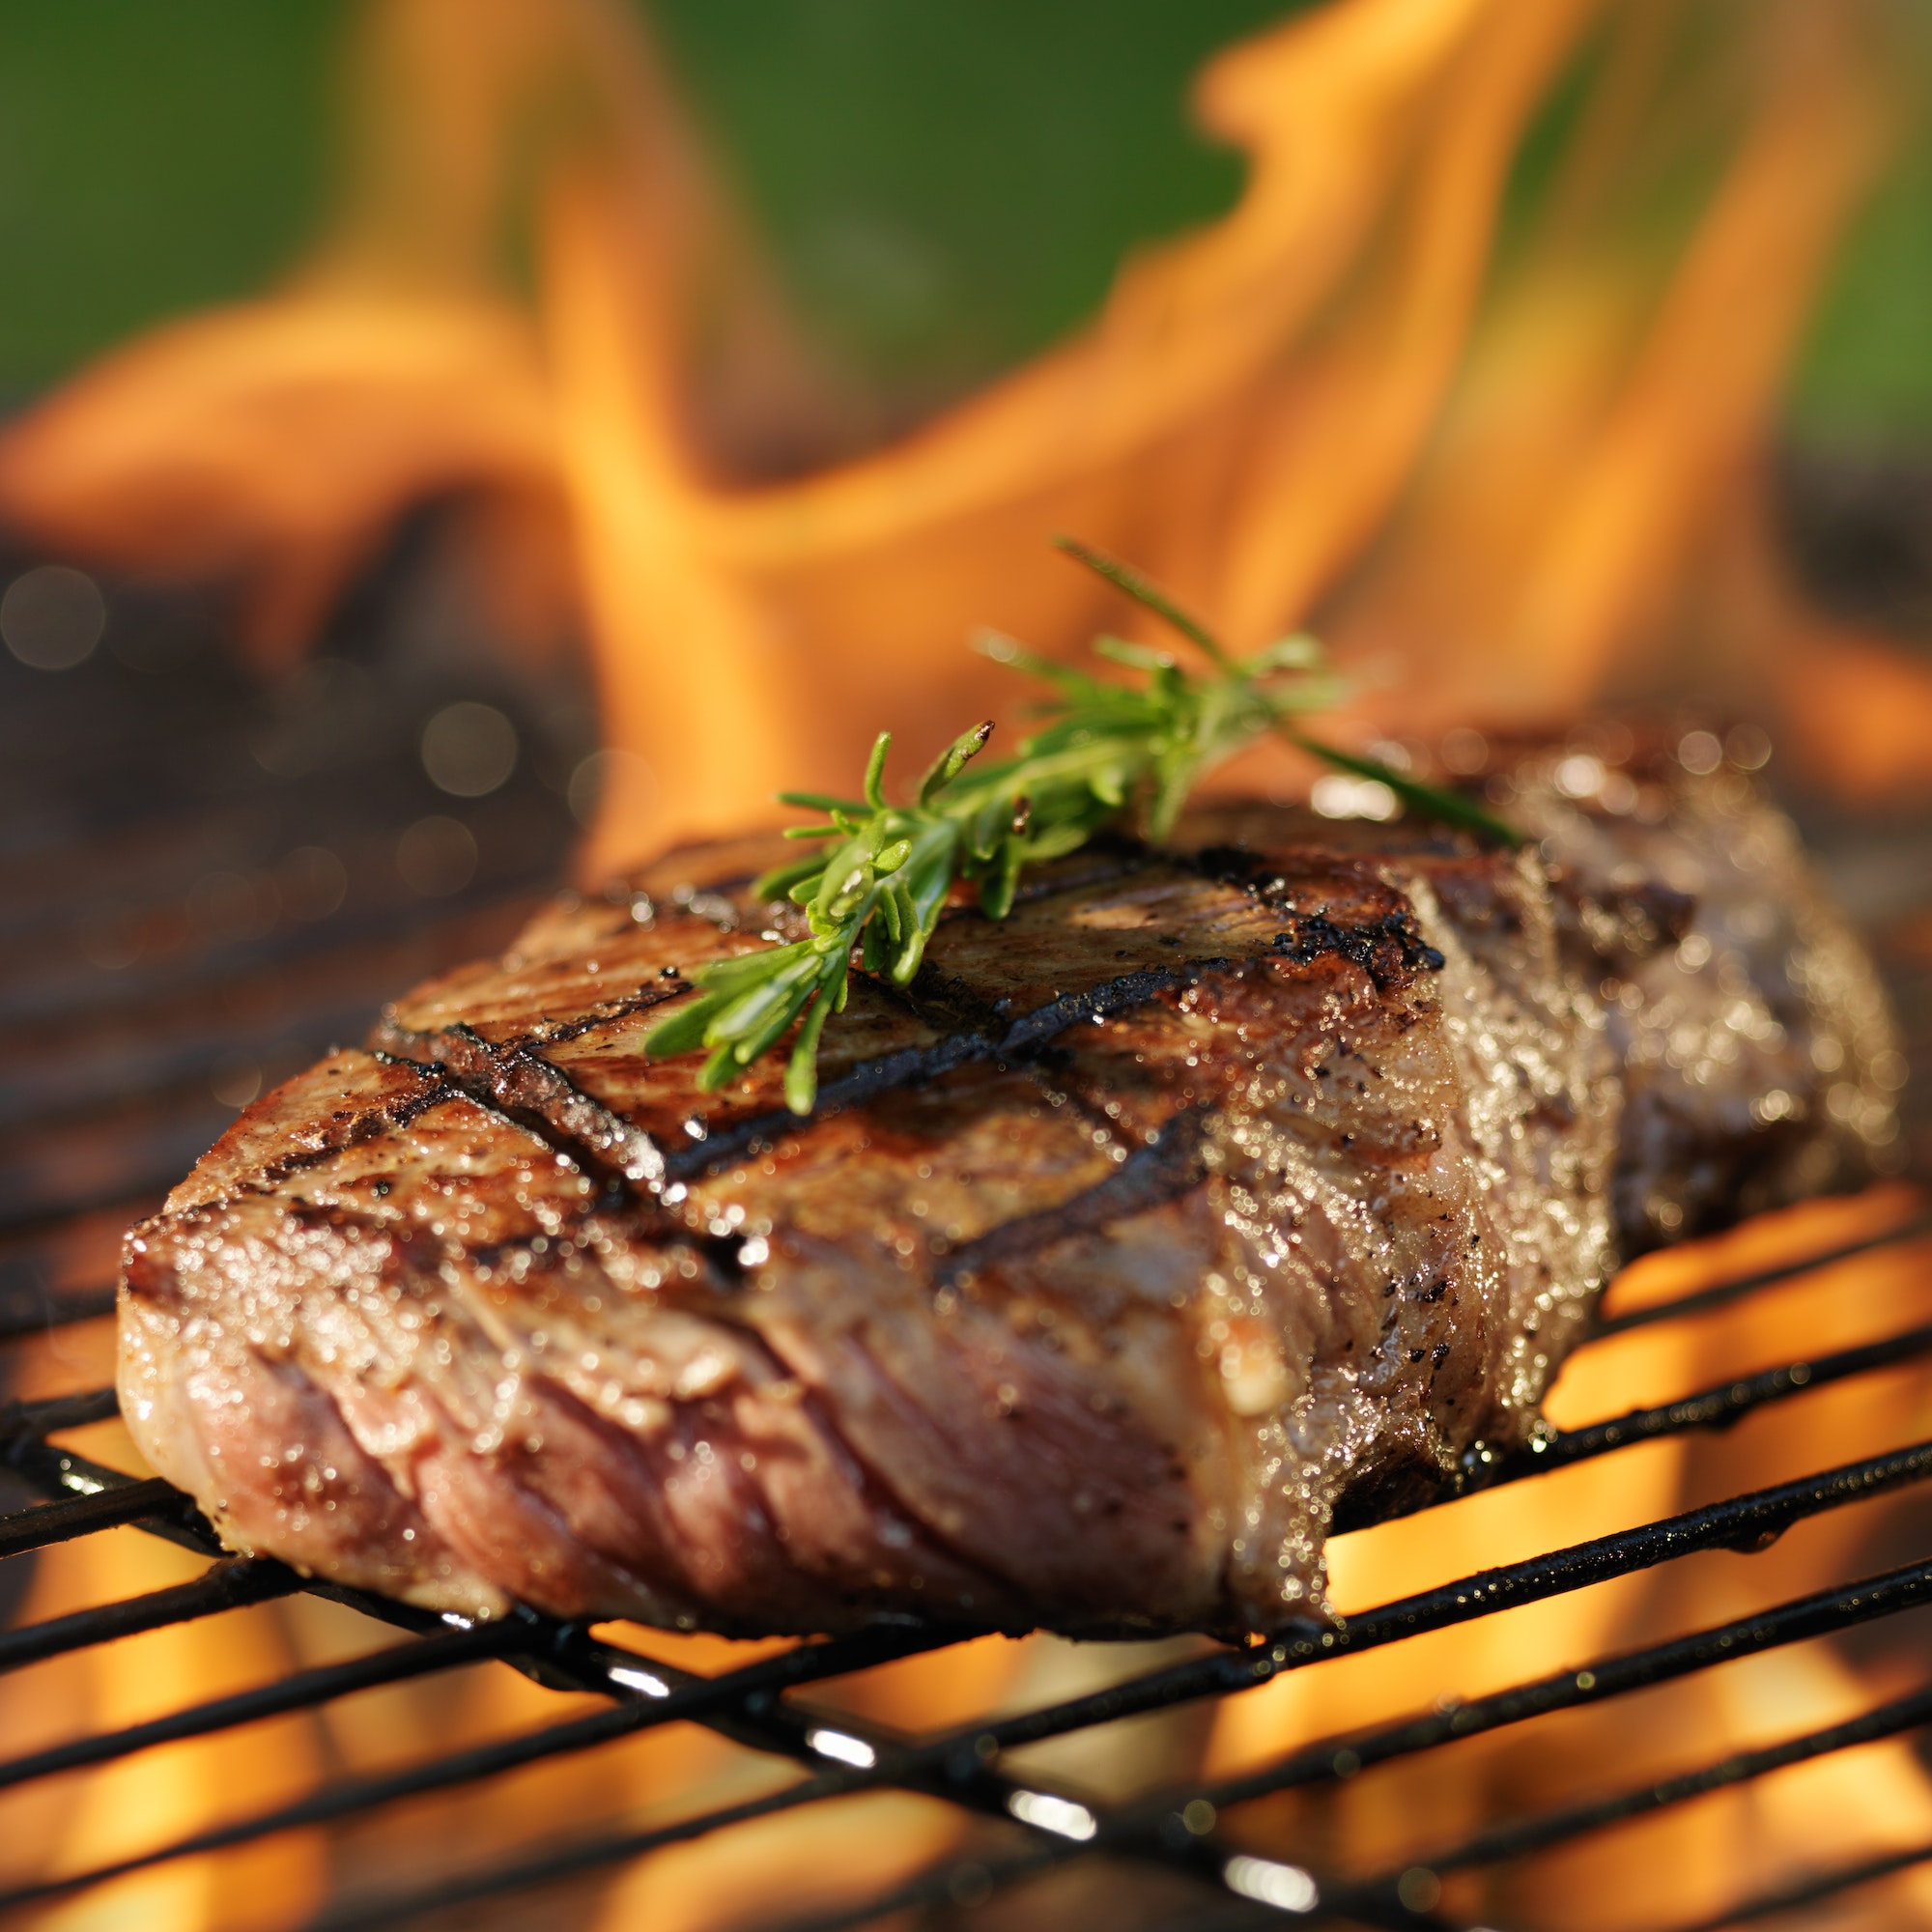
(1016, 1044)
(1176, 1164)
(979, 1029)
(530, 1089)
(359, 1126)
(524, 1090)
(1112, 996)
(553, 1032)
(872, 1080)
(1023, 1043)
(539, 1096)
(342, 1128)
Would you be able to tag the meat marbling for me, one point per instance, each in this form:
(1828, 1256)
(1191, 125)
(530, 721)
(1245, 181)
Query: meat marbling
(1214, 1189)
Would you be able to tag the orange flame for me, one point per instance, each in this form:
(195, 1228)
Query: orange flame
(1339, 402)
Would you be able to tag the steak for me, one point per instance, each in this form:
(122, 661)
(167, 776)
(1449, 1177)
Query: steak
(1217, 1189)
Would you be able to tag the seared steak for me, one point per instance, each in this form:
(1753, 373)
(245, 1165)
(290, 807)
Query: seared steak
(1211, 1190)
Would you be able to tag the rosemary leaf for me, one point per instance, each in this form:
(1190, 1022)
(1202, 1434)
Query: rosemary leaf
(1125, 578)
(1105, 749)
(1431, 801)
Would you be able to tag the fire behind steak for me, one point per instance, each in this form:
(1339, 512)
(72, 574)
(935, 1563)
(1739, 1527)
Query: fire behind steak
(1211, 1190)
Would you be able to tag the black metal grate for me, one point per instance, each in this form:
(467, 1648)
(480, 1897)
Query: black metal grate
(80, 1157)
(756, 1706)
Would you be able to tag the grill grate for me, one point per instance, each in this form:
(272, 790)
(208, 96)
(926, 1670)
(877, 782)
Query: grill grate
(102, 878)
(754, 1706)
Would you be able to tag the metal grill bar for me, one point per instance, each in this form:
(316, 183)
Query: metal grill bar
(1812, 1890)
(1725, 1293)
(82, 1514)
(49, 1419)
(1728, 1403)
(1818, 1615)
(1901, 1714)
(570, 1861)
(113, 1065)
(57, 1311)
(299, 1692)
(1743, 1522)
(962, 1766)
(1716, 1407)
(228, 1586)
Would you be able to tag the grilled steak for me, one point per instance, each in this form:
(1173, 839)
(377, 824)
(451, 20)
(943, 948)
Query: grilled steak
(1213, 1190)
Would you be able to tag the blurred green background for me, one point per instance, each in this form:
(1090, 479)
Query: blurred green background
(945, 186)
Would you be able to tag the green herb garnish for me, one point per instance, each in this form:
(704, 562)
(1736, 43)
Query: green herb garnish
(1107, 750)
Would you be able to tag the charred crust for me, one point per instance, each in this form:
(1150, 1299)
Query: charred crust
(345, 1128)
(1237, 865)
(1405, 1480)
(360, 1125)
(142, 1277)
(986, 1037)
(1360, 918)
(1111, 996)
(1391, 950)
(538, 1097)
(870, 1080)
(515, 1079)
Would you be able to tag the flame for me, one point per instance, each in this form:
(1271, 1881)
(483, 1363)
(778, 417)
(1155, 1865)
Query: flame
(1494, 459)
(159, 1795)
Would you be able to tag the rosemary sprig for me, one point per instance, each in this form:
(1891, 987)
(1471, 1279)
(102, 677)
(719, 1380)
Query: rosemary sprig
(1452, 808)
(883, 872)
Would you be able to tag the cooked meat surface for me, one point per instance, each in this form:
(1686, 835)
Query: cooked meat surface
(1759, 1054)
(1210, 1191)
(1760, 1059)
